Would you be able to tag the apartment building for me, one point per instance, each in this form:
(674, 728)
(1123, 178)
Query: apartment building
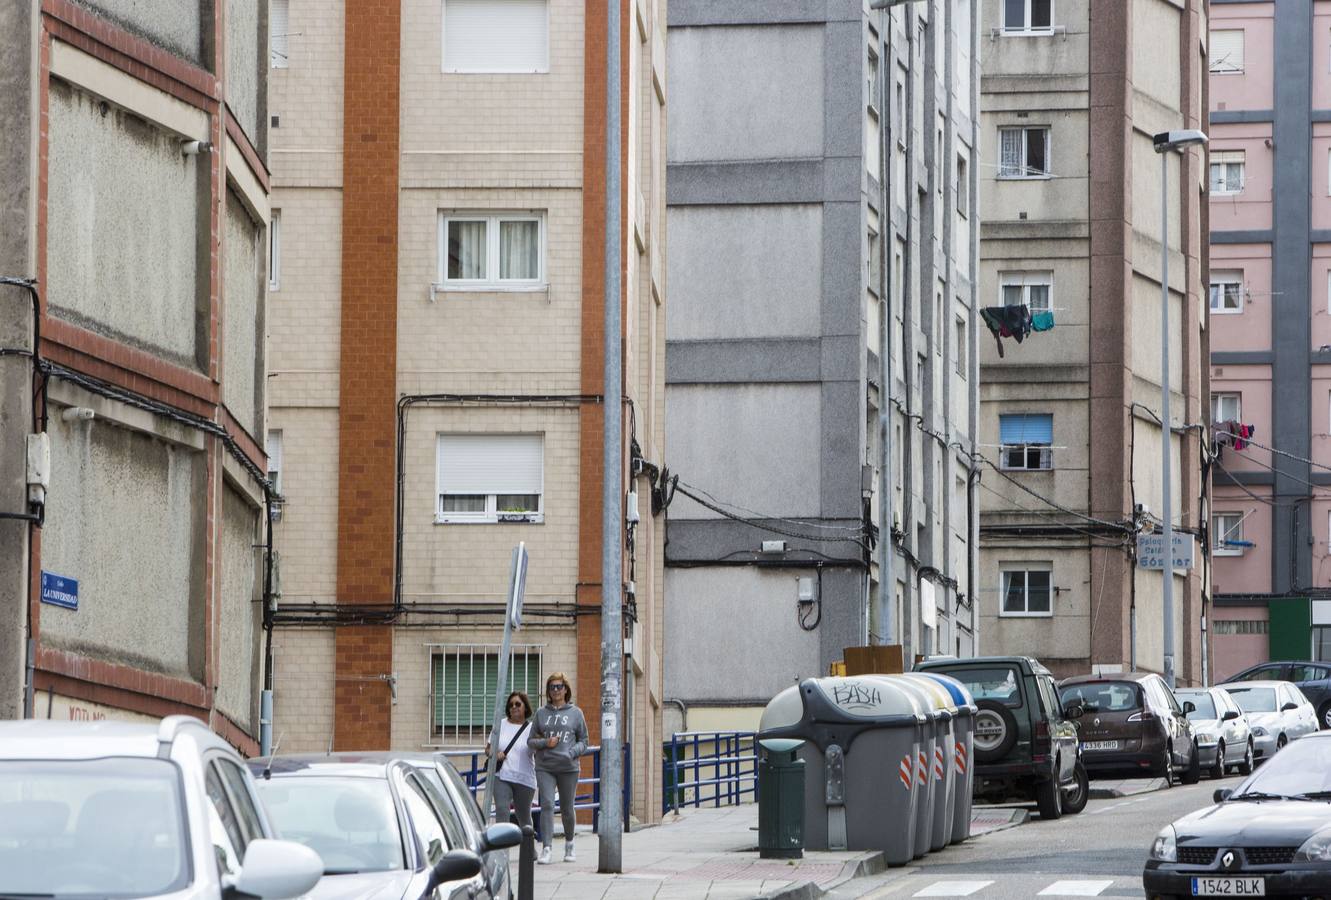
(132, 488)
(821, 210)
(436, 392)
(1270, 302)
(1072, 93)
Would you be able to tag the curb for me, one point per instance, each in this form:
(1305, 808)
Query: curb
(1019, 817)
(873, 864)
(1153, 785)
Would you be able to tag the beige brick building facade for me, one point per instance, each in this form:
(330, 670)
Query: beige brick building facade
(499, 359)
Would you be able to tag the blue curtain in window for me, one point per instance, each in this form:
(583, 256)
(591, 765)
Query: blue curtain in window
(1028, 428)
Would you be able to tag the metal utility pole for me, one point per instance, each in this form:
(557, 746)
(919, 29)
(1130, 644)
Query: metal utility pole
(611, 825)
(1164, 142)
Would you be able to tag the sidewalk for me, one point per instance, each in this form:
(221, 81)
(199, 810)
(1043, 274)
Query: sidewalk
(710, 853)
(1127, 787)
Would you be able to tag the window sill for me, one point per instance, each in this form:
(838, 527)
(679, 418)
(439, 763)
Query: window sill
(1009, 469)
(1026, 32)
(501, 519)
(487, 291)
(1026, 615)
(1226, 552)
(1043, 177)
(1226, 312)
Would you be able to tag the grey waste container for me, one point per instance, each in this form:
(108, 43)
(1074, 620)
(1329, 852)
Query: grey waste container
(941, 770)
(780, 800)
(926, 786)
(854, 731)
(963, 726)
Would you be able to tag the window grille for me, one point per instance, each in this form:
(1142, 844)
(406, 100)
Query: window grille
(463, 679)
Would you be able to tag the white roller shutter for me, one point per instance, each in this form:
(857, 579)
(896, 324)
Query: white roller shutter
(496, 36)
(1226, 50)
(279, 27)
(490, 463)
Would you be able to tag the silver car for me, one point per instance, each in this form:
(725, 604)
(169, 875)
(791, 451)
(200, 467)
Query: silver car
(1277, 713)
(1224, 738)
(152, 812)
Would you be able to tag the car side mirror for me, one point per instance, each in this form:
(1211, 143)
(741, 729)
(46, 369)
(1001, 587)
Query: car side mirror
(1288, 706)
(1229, 716)
(456, 865)
(1189, 706)
(1221, 795)
(499, 837)
(1075, 711)
(278, 870)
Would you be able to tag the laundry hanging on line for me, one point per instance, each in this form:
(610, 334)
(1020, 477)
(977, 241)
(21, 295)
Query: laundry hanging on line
(1016, 322)
(1234, 434)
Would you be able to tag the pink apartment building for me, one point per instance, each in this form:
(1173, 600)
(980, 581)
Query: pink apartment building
(1270, 320)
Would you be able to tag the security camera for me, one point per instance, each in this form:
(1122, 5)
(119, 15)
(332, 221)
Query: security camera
(194, 148)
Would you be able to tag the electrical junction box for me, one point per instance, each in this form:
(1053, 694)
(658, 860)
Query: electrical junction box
(806, 589)
(39, 466)
(774, 546)
(631, 508)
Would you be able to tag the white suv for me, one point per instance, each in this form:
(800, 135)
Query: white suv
(120, 810)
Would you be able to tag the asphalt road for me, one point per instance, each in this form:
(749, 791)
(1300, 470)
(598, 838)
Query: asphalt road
(1097, 853)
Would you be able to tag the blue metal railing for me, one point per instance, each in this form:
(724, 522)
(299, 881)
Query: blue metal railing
(722, 769)
(471, 766)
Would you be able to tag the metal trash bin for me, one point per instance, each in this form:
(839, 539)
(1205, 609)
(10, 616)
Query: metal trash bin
(941, 769)
(780, 800)
(855, 730)
(926, 786)
(963, 727)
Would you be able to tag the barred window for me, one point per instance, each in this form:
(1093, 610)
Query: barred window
(463, 680)
(1241, 626)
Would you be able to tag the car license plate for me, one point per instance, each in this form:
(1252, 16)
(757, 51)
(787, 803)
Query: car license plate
(1229, 887)
(1099, 745)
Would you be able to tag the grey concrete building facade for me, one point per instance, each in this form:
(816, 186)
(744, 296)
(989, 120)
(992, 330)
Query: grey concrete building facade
(136, 202)
(1071, 95)
(820, 207)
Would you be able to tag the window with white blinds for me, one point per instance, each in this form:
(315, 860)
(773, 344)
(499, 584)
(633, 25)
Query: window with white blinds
(1226, 51)
(496, 36)
(490, 477)
(1227, 171)
(278, 29)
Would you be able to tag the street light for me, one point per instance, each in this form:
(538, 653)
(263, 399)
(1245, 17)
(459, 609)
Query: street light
(1164, 142)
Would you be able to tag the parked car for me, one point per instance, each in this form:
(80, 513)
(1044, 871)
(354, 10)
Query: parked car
(1132, 724)
(1025, 747)
(118, 810)
(1277, 712)
(377, 823)
(1221, 730)
(1312, 678)
(1270, 836)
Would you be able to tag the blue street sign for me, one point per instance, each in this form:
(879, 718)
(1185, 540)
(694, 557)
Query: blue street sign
(60, 591)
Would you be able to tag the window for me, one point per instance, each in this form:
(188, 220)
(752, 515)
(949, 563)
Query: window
(278, 30)
(1227, 534)
(873, 88)
(496, 36)
(1226, 408)
(1227, 171)
(228, 841)
(875, 255)
(1027, 592)
(1028, 15)
(962, 348)
(1026, 441)
(463, 679)
(1243, 626)
(273, 448)
(425, 820)
(490, 477)
(963, 188)
(247, 815)
(1226, 292)
(1031, 289)
(1302, 673)
(1024, 152)
(1226, 51)
(275, 250)
(491, 252)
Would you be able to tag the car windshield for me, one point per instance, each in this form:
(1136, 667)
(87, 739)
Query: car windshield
(350, 822)
(1301, 768)
(999, 683)
(1102, 696)
(1203, 701)
(1254, 700)
(100, 828)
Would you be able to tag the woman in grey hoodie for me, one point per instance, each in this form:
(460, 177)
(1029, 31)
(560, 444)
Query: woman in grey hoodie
(559, 737)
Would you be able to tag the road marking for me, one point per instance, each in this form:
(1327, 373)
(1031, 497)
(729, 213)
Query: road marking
(1075, 888)
(953, 888)
(1105, 809)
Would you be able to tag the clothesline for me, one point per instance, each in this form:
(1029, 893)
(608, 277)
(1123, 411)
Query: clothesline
(1001, 446)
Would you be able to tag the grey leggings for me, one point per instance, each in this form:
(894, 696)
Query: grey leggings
(508, 793)
(567, 783)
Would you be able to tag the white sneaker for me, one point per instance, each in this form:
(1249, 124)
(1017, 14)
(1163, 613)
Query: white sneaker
(544, 858)
(569, 855)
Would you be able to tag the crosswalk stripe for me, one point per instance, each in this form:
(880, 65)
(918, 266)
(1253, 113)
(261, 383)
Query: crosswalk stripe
(1075, 888)
(953, 888)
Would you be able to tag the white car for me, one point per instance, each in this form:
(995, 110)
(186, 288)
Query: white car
(1277, 713)
(1223, 735)
(122, 810)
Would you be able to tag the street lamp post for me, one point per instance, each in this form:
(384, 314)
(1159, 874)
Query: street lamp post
(1165, 142)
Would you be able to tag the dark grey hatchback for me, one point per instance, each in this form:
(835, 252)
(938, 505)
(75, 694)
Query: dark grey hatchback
(1313, 678)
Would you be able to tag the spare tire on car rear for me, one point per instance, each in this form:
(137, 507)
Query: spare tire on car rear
(995, 731)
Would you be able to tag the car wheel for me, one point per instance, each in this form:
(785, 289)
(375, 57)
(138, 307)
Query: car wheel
(1218, 770)
(995, 730)
(1193, 773)
(1245, 767)
(1324, 716)
(1049, 798)
(1075, 797)
(1281, 742)
(1165, 767)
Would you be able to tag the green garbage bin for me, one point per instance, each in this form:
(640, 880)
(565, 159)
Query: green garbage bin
(780, 800)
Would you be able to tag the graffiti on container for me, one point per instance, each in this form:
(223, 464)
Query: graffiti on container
(853, 695)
